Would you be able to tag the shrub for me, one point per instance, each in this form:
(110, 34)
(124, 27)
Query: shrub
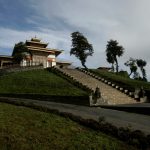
(124, 134)
(148, 140)
(138, 139)
(101, 119)
(123, 74)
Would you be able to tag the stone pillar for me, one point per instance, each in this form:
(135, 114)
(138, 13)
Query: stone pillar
(96, 99)
(30, 62)
(97, 93)
(91, 99)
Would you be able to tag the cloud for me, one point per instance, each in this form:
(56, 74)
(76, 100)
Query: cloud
(56, 39)
(99, 20)
(10, 36)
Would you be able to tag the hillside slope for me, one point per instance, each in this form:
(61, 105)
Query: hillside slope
(43, 131)
(37, 82)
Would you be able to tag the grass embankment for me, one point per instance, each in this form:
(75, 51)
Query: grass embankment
(121, 81)
(24, 128)
(37, 82)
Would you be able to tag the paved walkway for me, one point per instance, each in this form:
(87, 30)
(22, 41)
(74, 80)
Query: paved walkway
(118, 118)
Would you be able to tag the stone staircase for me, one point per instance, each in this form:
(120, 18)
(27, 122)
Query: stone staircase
(109, 94)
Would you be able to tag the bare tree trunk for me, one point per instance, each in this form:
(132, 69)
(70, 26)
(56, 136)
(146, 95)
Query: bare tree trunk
(113, 69)
(117, 67)
(130, 73)
(84, 66)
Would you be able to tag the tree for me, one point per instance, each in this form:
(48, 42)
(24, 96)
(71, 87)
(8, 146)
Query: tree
(19, 52)
(110, 60)
(141, 64)
(113, 50)
(81, 47)
(133, 67)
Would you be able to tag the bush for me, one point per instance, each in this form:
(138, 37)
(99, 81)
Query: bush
(148, 140)
(137, 138)
(124, 134)
(101, 119)
(123, 74)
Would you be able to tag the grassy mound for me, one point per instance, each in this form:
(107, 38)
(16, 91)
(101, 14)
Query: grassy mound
(24, 128)
(124, 82)
(37, 82)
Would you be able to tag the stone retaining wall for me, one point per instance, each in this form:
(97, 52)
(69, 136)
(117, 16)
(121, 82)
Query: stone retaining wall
(18, 69)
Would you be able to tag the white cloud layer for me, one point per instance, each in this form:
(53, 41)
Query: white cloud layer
(99, 20)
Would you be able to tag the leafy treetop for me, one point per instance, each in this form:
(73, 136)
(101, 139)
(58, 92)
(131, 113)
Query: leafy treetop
(19, 51)
(112, 51)
(81, 47)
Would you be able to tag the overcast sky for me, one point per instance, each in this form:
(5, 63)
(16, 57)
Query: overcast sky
(127, 21)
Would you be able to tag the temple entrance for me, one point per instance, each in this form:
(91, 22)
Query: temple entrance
(49, 64)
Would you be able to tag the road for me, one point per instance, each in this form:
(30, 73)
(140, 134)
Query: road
(117, 118)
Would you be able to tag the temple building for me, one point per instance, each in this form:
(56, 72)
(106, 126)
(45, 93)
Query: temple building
(5, 61)
(38, 54)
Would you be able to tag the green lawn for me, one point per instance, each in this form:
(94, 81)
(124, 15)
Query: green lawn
(121, 81)
(37, 82)
(23, 128)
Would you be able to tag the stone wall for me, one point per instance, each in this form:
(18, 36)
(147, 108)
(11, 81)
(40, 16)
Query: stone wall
(18, 69)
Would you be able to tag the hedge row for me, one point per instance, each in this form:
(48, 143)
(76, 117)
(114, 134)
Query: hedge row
(77, 100)
(132, 109)
(18, 69)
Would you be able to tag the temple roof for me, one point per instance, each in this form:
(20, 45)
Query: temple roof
(6, 56)
(63, 62)
(36, 41)
(35, 44)
(48, 50)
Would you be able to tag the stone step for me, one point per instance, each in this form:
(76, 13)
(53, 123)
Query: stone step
(109, 94)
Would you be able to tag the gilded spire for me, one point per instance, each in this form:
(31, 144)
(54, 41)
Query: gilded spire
(35, 39)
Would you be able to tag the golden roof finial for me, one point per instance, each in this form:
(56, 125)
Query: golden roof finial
(35, 39)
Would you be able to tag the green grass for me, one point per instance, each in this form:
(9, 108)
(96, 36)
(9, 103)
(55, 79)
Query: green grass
(121, 81)
(23, 128)
(37, 82)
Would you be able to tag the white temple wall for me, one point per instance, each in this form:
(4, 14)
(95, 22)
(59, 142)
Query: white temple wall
(23, 62)
(53, 64)
(52, 56)
(40, 58)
